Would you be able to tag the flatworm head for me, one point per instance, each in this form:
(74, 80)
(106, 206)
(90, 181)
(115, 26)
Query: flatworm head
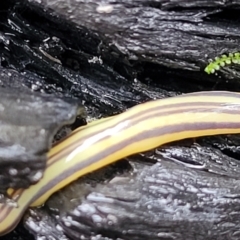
(222, 61)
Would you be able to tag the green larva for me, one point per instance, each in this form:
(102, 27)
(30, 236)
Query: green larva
(222, 61)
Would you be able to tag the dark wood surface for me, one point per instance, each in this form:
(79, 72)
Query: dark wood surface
(134, 51)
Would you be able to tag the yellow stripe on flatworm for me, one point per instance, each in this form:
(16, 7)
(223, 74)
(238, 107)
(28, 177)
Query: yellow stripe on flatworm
(105, 141)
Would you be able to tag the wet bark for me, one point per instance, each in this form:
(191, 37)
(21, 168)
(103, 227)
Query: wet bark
(176, 34)
(111, 55)
(28, 124)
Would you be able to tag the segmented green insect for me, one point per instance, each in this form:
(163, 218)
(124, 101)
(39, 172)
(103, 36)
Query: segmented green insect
(222, 61)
